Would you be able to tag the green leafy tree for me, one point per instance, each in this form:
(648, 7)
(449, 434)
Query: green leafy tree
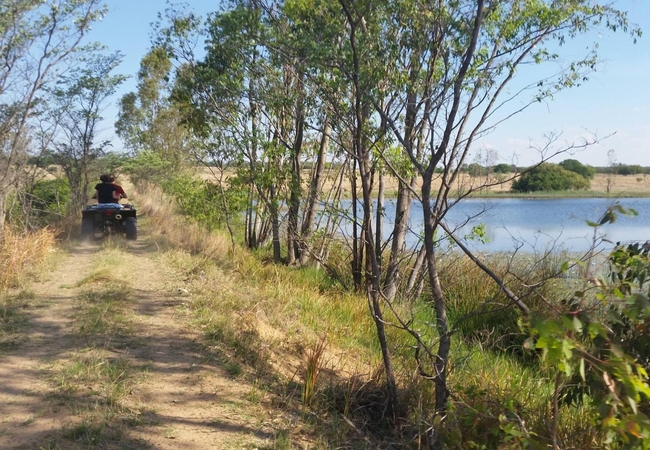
(79, 100)
(629, 169)
(39, 41)
(148, 121)
(504, 168)
(476, 170)
(576, 166)
(455, 62)
(549, 177)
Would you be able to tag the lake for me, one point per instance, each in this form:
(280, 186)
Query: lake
(534, 224)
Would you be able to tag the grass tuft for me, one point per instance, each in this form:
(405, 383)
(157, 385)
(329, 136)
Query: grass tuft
(103, 312)
(313, 365)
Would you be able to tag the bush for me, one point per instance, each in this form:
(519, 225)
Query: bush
(504, 168)
(147, 167)
(202, 200)
(44, 203)
(549, 177)
(576, 166)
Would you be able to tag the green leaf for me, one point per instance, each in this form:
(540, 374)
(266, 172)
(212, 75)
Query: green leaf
(577, 325)
(567, 348)
(633, 405)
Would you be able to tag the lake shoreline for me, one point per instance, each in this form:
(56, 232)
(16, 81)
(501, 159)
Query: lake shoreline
(561, 194)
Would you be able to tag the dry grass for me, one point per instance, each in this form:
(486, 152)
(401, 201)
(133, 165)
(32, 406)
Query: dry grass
(174, 231)
(22, 253)
(620, 185)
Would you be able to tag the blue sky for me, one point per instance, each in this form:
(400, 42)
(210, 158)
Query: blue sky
(615, 101)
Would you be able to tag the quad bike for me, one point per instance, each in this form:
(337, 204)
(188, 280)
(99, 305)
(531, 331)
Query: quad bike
(109, 218)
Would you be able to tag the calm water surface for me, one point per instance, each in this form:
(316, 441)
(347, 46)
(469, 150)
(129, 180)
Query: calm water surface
(536, 224)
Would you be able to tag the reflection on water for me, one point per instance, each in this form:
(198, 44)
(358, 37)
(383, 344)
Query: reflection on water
(534, 224)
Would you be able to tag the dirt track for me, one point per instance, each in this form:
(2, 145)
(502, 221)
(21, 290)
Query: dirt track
(105, 356)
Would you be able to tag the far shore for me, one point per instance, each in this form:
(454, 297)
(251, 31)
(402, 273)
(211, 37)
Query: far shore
(620, 186)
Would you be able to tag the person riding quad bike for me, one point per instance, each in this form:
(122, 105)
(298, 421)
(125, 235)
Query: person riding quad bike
(108, 216)
(107, 191)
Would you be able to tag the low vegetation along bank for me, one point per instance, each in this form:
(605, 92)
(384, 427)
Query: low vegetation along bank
(502, 395)
(305, 348)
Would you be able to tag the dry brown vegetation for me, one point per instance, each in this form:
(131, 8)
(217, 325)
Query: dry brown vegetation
(620, 185)
(20, 254)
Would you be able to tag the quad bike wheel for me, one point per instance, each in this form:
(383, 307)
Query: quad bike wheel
(87, 228)
(131, 228)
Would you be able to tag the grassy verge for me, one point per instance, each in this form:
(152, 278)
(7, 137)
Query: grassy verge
(314, 346)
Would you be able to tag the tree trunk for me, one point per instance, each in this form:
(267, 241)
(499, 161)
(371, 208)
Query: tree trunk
(315, 187)
(357, 243)
(296, 189)
(379, 214)
(373, 283)
(3, 213)
(275, 226)
(442, 324)
(416, 272)
(398, 246)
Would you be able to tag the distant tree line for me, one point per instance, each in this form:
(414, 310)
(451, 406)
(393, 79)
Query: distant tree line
(476, 169)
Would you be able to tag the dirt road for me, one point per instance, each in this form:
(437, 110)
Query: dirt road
(102, 354)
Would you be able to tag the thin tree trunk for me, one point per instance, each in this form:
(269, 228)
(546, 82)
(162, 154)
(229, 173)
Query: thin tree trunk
(416, 271)
(373, 282)
(296, 188)
(275, 226)
(315, 188)
(379, 214)
(442, 323)
(398, 246)
(357, 244)
(3, 212)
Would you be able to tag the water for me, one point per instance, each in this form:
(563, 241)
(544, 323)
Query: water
(533, 224)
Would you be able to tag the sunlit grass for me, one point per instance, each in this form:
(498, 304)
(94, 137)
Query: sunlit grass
(22, 254)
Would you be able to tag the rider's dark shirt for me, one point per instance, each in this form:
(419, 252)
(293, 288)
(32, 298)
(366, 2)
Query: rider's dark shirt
(105, 193)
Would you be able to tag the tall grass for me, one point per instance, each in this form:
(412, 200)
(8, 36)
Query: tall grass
(22, 253)
(173, 231)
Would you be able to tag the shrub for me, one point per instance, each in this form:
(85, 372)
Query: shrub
(44, 203)
(203, 200)
(576, 166)
(549, 177)
(504, 168)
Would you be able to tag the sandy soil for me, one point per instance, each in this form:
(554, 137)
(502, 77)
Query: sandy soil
(179, 397)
